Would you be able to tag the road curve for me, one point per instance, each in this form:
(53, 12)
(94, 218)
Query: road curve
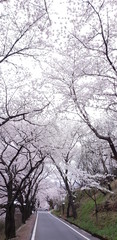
(49, 227)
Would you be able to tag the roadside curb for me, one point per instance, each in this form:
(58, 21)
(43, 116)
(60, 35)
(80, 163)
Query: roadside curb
(93, 234)
(34, 228)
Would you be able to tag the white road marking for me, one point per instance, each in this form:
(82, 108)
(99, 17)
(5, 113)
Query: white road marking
(71, 227)
(34, 229)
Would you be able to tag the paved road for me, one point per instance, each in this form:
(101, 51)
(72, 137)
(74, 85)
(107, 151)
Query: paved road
(48, 227)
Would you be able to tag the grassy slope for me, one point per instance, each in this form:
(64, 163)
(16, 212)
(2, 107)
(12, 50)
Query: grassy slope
(106, 225)
(107, 220)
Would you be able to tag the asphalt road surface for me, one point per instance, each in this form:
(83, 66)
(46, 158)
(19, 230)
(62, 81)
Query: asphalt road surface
(48, 227)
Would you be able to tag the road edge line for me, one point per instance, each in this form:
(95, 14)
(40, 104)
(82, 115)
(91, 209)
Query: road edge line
(70, 227)
(34, 229)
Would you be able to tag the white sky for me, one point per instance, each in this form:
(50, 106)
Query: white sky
(60, 21)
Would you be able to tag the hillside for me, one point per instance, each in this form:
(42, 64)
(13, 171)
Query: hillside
(104, 222)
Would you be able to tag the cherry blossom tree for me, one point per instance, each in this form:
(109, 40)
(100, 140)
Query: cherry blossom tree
(19, 160)
(24, 31)
(23, 34)
(22, 28)
(98, 45)
(27, 195)
(85, 73)
(63, 154)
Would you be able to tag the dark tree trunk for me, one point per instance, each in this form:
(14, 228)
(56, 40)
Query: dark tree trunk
(23, 211)
(28, 210)
(10, 222)
(73, 209)
(71, 204)
(70, 200)
(23, 218)
(63, 209)
(68, 209)
(10, 231)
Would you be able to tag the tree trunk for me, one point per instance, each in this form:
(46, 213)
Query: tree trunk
(73, 207)
(23, 211)
(70, 199)
(10, 222)
(68, 209)
(10, 231)
(71, 204)
(28, 210)
(73, 210)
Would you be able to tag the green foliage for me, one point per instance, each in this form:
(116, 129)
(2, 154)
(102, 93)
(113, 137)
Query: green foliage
(107, 220)
(56, 213)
